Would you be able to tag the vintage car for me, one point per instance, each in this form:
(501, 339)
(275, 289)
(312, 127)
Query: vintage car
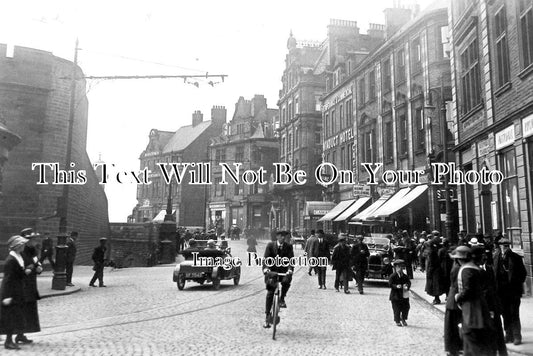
(297, 239)
(379, 248)
(207, 265)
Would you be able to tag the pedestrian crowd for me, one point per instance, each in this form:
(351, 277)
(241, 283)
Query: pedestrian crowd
(482, 280)
(19, 293)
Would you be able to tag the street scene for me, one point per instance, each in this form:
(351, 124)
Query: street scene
(250, 178)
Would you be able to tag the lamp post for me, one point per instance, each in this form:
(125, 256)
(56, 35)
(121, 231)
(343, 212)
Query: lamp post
(430, 112)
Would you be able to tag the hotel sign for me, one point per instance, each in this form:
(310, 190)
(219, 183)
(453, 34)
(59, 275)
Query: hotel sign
(505, 137)
(338, 139)
(343, 94)
(527, 126)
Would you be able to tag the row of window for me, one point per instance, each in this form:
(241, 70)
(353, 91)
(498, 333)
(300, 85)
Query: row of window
(368, 137)
(366, 86)
(255, 155)
(341, 158)
(238, 189)
(333, 123)
(469, 67)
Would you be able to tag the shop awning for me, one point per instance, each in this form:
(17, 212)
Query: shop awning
(160, 217)
(399, 201)
(393, 201)
(318, 208)
(346, 214)
(337, 210)
(368, 211)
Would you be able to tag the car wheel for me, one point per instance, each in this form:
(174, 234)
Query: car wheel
(201, 281)
(236, 279)
(181, 281)
(216, 283)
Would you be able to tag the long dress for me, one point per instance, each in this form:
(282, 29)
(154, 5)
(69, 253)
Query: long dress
(12, 319)
(31, 294)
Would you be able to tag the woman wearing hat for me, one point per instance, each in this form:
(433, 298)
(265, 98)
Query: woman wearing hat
(32, 267)
(12, 319)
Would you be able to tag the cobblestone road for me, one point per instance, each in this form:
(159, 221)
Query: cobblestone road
(143, 313)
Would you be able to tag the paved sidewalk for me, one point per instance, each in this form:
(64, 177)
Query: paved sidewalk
(526, 314)
(44, 285)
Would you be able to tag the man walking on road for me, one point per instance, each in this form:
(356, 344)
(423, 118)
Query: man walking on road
(310, 248)
(71, 256)
(359, 256)
(99, 259)
(341, 264)
(510, 276)
(322, 250)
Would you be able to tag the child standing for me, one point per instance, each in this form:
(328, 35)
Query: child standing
(399, 295)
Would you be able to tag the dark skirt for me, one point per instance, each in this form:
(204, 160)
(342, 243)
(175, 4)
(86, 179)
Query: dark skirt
(31, 314)
(12, 320)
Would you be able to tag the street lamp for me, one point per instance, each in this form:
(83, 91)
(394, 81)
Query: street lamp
(430, 113)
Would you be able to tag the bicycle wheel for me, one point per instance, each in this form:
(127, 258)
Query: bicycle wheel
(275, 311)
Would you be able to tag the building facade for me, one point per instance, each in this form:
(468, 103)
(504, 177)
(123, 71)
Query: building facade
(34, 102)
(399, 91)
(189, 144)
(250, 140)
(492, 63)
(305, 80)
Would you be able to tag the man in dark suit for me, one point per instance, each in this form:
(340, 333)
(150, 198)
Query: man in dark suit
(99, 259)
(341, 264)
(279, 248)
(359, 256)
(321, 250)
(510, 276)
(71, 256)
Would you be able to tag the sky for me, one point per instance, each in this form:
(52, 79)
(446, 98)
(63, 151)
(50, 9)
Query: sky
(245, 40)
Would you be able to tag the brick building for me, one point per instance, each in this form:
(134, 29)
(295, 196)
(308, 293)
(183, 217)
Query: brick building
(8, 140)
(393, 90)
(250, 139)
(492, 73)
(34, 100)
(188, 144)
(305, 80)
(337, 105)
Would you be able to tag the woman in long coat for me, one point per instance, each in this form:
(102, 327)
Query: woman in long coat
(434, 272)
(12, 319)
(32, 268)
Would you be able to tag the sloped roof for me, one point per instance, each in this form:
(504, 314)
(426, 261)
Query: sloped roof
(185, 136)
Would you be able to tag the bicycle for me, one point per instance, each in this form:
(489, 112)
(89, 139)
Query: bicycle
(274, 313)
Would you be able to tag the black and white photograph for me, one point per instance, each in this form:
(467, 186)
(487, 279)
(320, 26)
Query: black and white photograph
(262, 178)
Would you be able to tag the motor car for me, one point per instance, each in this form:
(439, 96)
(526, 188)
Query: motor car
(379, 247)
(202, 265)
(297, 239)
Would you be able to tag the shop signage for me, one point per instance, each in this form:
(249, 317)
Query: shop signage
(527, 126)
(484, 147)
(217, 206)
(505, 137)
(361, 190)
(343, 94)
(338, 139)
(320, 212)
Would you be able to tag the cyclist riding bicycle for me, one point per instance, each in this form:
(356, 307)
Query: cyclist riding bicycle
(282, 249)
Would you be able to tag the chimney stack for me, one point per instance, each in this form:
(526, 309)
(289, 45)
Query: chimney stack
(197, 117)
(218, 115)
(395, 18)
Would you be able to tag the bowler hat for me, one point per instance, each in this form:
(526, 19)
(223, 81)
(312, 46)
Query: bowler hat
(504, 242)
(102, 239)
(398, 262)
(435, 232)
(461, 252)
(474, 241)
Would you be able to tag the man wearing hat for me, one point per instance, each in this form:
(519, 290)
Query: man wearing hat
(211, 245)
(510, 276)
(99, 259)
(71, 256)
(340, 259)
(399, 295)
(47, 250)
(434, 274)
(12, 319)
(359, 256)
